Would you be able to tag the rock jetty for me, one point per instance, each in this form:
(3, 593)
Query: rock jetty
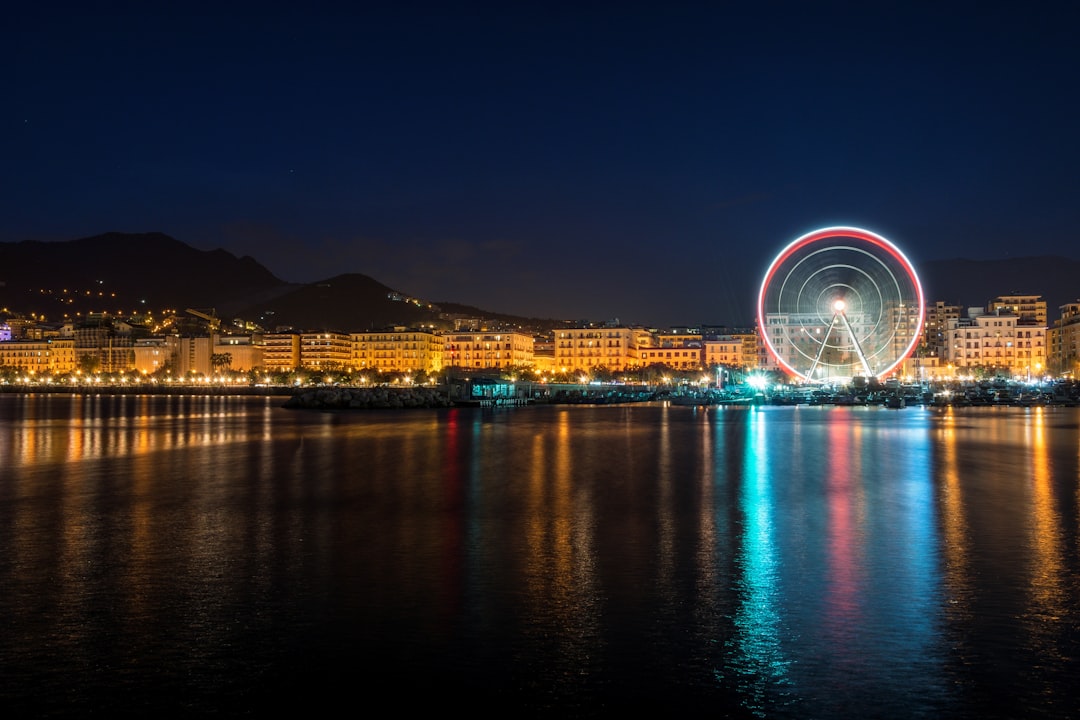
(342, 398)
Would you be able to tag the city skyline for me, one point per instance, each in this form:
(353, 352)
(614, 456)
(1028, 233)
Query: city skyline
(644, 165)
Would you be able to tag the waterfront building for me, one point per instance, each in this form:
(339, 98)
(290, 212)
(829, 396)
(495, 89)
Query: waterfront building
(996, 342)
(544, 355)
(238, 353)
(281, 352)
(1063, 342)
(321, 351)
(157, 353)
(39, 357)
(193, 356)
(398, 350)
(753, 350)
(582, 350)
(728, 350)
(484, 350)
(676, 350)
(102, 347)
(922, 368)
(905, 324)
(722, 350)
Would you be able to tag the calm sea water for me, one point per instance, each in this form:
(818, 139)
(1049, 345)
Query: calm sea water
(225, 555)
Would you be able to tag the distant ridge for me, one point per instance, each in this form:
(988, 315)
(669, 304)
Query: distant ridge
(128, 272)
(346, 303)
(971, 283)
(125, 271)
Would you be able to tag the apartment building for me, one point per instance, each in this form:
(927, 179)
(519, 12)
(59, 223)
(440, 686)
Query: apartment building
(321, 351)
(238, 353)
(194, 356)
(281, 352)
(727, 350)
(938, 316)
(1063, 341)
(996, 342)
(484, 350)
(544, 354)
(39, 357)
(1029, 309)
(104, 348)
(586, 349)
(406, 351)
(153, 354)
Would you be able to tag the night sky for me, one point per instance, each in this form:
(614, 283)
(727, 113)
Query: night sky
(608, 160)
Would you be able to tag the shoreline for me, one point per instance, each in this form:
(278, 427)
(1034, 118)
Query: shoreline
(376, 397)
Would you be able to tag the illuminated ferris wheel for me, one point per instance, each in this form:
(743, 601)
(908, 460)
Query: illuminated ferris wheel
(840, 303)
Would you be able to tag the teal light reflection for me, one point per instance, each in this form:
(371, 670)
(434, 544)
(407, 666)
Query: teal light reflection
(756, 653)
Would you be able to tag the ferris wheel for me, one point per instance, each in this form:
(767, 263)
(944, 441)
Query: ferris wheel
(840, 303)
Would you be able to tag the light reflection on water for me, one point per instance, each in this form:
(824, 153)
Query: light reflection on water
(225, 553)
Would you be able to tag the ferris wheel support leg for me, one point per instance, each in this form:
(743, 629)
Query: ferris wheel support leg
(858, 347)
(821, 349)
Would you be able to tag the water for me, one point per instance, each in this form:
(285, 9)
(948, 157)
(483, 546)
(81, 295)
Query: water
(222, 555)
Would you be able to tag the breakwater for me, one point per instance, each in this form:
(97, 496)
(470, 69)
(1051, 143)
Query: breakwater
(359, 398)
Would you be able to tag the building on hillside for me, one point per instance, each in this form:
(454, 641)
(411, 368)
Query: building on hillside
(397, 351)
(1029, 309)
(323, 351)
(39, 358)
(1063, 342)
(487, 350)
(18, 327)
(281, 352)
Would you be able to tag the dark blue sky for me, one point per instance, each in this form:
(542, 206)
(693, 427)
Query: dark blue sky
(638, 161)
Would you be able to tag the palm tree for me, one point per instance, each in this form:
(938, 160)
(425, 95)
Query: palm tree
(221, 361)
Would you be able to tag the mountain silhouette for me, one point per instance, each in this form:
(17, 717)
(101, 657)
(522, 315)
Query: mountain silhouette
(133, 272)
(128, 273)
(974, 283)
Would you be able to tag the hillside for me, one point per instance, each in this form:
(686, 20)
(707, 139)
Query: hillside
(346, 303)
(125, 272)
(129, 273)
